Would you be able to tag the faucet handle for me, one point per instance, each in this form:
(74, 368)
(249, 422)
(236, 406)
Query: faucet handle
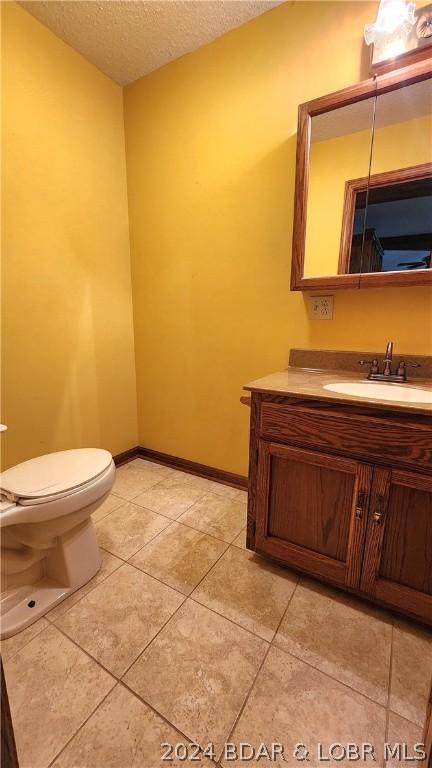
(401, 369)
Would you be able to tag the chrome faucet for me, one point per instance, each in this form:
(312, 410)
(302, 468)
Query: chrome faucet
(386, 374)
(388, 360)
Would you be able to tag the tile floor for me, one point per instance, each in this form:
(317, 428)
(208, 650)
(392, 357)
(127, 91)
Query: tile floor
(186, 637)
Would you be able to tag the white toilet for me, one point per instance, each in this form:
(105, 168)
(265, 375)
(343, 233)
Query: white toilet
(48, 543)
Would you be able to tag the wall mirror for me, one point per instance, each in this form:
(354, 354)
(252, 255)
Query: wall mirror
(363, 200)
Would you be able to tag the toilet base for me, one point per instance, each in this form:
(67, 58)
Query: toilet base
(35, 601)
(68, 566)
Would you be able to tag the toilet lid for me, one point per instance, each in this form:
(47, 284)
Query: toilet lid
(54, 473)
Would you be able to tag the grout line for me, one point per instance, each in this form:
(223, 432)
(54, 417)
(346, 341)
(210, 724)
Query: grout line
(172, 520)
(210, 569)
(82, 725)
(141, 570)
(187, 473)
(160, 482)
(154, 511)
(159, 714)
(155, 636)
(60, 616)
(328, 675)
(249, 692)
(183, 735)
(121, 681)
(200, 530)
(154, 536)
(123, 562)
(150, 575)
(165, 583)
(236, 624)
(406, 720)
(6, 659)
(87, 653)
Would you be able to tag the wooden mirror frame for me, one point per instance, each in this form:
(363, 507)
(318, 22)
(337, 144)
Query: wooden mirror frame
(375, 86)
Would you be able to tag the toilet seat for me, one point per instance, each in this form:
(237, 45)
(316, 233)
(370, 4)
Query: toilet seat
(76, 489)
(53, 476)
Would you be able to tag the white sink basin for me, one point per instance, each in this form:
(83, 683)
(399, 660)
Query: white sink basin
(382, 391)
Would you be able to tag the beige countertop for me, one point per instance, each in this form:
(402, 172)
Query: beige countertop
(309, 383)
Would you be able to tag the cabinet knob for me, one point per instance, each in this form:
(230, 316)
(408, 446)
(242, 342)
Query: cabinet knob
(359, 510)
(379, 511)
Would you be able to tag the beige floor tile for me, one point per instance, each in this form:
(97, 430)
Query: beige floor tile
(291, 702)
(122, 733)
(226, 491)
(240, 540)
(134, 478)
(181, 477)
(211, 486)
(170, 497)
(118, 618)
(12, 645)
(151, 466)
(53, 687)
(110, 503)
(217, 516)
(124, 531)
(340, 636)
(180, 556)
(197, 672)
(401, 731)
(193, 481)
(411, 671)
(110, 563)
(248, 590)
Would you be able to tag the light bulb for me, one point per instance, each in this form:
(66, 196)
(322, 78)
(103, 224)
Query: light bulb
(393, 15)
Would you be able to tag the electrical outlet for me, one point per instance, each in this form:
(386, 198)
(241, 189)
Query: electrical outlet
(321, 307)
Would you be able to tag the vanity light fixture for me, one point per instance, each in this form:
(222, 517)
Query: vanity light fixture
(393, 23)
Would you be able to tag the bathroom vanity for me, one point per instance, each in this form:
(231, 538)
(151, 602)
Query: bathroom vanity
(340, 486)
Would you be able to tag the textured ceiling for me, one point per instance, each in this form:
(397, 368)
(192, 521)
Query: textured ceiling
(127, 40)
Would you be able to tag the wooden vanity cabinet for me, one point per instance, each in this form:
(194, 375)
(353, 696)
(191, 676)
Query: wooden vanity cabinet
(330, 495)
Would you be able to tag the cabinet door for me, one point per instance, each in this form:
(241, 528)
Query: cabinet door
(312, 511)
(397, 564)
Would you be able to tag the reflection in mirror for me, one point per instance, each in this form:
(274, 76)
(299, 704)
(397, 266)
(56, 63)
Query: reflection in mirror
(398, 224)
(397, 232)
(340, 147)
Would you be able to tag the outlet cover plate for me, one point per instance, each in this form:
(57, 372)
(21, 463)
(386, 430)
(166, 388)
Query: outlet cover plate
(321, 307)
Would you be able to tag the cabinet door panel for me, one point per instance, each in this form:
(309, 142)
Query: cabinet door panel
(410, 521)
(398, 556)
(311, 511)
(310, 506)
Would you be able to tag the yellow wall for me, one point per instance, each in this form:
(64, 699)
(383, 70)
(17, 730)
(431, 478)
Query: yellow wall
(68, 356)
(399, 145)
(210, 147)
(210, 153)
